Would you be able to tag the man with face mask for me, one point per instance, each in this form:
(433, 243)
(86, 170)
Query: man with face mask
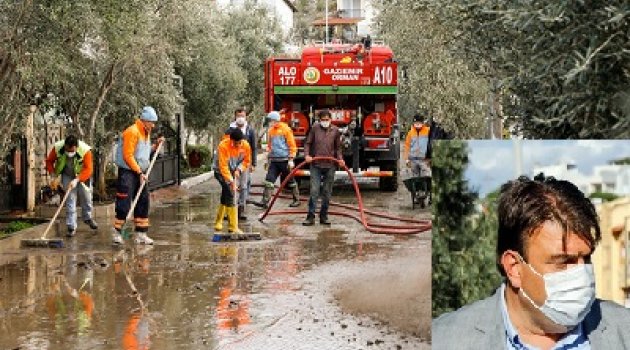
(547, 233)
(232, 159)
(281, 150)
(72, 159)
(240, 122)
(323, 140)
(416, 144)
(133, 157)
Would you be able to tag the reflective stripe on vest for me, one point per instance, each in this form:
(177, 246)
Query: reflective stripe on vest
(62, 158)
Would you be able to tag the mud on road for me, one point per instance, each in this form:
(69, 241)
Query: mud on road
(300, 287)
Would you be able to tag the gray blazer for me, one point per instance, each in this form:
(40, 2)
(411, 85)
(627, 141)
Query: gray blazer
(480, 326)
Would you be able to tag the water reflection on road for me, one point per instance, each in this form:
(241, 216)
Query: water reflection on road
(187, 292)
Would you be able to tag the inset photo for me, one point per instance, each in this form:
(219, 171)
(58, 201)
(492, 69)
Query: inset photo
(530, 244)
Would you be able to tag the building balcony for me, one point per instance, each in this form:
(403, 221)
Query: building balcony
(351, 13)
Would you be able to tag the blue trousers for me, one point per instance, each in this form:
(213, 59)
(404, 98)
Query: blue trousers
(84, 193)
(320, 178)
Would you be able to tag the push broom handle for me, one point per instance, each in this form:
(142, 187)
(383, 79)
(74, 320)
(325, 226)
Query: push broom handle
(63, 201)
(135, 200)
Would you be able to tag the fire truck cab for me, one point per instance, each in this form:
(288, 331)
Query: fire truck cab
(358, 86)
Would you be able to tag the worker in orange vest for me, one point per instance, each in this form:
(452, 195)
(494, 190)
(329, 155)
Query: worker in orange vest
(133, 157)
(281, 150)
(233, 157)
(416, 143)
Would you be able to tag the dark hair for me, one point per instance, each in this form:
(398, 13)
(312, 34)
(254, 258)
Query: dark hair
(239, 110)
(421, 116)
(71, 141)
(323, 113)
(525, 205)
(236, 134)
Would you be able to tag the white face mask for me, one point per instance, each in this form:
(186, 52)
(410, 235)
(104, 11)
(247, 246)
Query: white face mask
(570, 294)
(240, 121)
(71, 154)
(325, 124)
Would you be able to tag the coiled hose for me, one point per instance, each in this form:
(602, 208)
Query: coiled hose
(414, 226)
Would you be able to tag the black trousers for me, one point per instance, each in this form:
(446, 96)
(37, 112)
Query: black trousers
(227, 196)
(127, 187)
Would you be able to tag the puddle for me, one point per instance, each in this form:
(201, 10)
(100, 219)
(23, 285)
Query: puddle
(187, 292)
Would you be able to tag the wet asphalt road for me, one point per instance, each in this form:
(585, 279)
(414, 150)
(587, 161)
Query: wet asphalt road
(298, 288)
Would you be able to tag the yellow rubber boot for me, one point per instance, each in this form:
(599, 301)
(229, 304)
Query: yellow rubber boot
(218, 223)
(233, 220)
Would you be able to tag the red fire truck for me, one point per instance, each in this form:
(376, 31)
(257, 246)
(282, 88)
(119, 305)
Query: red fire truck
(358, 86)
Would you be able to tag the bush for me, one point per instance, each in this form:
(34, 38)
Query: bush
(15, 226)
(605, 196)
(198, 155)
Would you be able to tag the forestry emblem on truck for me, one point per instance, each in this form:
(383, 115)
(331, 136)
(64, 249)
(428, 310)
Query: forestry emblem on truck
(311, 75)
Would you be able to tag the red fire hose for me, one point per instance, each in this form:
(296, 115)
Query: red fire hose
(417, 226)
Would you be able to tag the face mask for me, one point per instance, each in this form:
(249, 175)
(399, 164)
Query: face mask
(240, 121)
(325, 124)
(570, 294)
(417, 126)
(71, 154)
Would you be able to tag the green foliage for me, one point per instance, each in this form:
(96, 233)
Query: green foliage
(433, 77)
(15, 226)
(550, 69)
(98, 62)
(463, 244)
(207, 62)
(622, 161)
(309, 11)
(203, 151)
(563, 65)
(604, 196)
(257, 38)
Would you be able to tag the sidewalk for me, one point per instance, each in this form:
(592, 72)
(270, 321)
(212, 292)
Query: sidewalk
(102, 213)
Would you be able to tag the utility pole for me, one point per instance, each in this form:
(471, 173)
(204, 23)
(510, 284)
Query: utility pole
(30, 159)
(326, 19)
(518, 157)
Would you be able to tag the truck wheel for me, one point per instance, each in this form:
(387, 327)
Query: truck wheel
(389, 184)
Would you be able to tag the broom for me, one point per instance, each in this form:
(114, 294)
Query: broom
(124, 230)
(43, 241)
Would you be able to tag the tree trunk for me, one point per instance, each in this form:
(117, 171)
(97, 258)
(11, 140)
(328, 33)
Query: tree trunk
(74, 115)
(105, 154)
(108, 81)
(7, 68)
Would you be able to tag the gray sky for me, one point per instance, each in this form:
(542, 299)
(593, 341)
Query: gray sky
(491, 162)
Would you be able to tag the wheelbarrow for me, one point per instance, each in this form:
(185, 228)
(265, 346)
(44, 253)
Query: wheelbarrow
(419, 189)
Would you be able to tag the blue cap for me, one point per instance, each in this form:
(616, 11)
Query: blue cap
(148, 114)
(273, 115)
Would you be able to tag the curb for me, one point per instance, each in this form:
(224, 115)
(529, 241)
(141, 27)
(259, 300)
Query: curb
(196, 180)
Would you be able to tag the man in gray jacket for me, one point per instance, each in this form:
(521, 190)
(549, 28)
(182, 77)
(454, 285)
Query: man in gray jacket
(547, 233)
